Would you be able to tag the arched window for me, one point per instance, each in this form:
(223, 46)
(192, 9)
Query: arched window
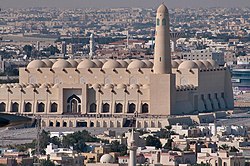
(131, 108)
(105, 108)
(144, 108)
(28, 107)
(64, 124)
(224, 164)
(15, 107)
(53, 107)
(41, 107)
(164, 22)
(2, 107)
(51, 124)
(118, 108)
(74, 104)
(158, 22)
(57, 124)
(92, 108)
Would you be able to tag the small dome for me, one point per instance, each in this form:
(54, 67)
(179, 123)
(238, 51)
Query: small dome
(188, 65)
(44, 86)
(108, 86)
(178, 61)
(78, 60)
(48, 62)
(128, 60)
(136, 64)
(36, 64)
(123, 63)
(96, 86)
(4, 86)
(30, 86)
(73, 62)
(111, 64)
(145, 86)
(200, 64)
(148, 63)
(174, 64)
(61, 64)
(17, 85)
(121, 86)
(107, 158)
(56, 86)
(103, 60)
(162, 9)
(207, 64)
(86, 64)
(134, 86)
(98, 63)
(53, 60)
(213, 63)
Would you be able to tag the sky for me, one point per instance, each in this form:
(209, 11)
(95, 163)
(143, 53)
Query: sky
(122, 3)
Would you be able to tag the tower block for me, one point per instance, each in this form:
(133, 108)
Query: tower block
(162, 54)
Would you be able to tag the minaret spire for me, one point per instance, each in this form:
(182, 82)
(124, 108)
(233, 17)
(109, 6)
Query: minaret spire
(162, 55)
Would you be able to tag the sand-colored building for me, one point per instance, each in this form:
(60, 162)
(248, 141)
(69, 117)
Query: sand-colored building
(109, 93)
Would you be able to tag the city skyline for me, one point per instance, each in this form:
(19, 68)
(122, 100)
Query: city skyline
(120, 3)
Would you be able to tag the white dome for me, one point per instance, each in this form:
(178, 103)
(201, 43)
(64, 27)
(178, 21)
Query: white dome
(178, 61)
(162, 9)
(53, 60)
(4, 86)
(73, 62)
(148, 63)
(96, 86)
(78, 60)
(136, 64)
(128, 60)
(107, 158)
(103, 60)
(111, 64)
(48, 62)
(85, 64)
(174, 64)
(98, 63)
(213, 63)
(188, 65)
(36, 64)
(61, 64)
(200, 64)
(30, 86)
(207, 64)
(123, 63)
(121, 86)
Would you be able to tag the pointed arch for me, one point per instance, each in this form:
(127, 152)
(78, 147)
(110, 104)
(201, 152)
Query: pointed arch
(105, 108)
(131, 108)
(14, 107)
(118, 108)
(92, 108)
(2, 107)
(54, 107)
(41, 107)
(28, 107)
(145, 108)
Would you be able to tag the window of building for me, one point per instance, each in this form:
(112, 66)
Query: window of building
(53, 107)
(41, 107)
(158, 22)
(131, 108)
(74, 104)
(2, 107)
(145, 108)
(28, 107)
(92, 108)
(164, 22)
(105, 108)
(15, 107)
(118, 108)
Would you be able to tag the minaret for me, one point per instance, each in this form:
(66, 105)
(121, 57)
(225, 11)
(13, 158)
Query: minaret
(132, 149)
(162, 55)
(91, 46)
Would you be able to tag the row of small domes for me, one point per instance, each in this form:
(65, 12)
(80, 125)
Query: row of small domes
(94, 86)
(86, 63)
(128, 63)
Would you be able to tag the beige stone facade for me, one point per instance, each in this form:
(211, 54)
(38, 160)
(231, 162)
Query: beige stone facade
(109, 93)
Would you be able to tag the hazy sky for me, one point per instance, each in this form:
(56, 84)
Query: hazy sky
(122, 3)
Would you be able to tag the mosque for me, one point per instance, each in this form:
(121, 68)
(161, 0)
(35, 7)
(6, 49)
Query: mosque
(111, 93)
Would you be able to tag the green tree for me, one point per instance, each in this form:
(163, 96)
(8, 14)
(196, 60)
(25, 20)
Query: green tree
(28, 50)
(47, 163)
(56, 141)
(168, 145)
(153, 141)
(115, 146)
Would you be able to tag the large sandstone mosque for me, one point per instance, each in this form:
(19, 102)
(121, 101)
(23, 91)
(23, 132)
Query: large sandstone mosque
(120, 93)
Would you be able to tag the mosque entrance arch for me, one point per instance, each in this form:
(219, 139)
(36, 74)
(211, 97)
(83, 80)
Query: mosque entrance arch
(74, 104)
